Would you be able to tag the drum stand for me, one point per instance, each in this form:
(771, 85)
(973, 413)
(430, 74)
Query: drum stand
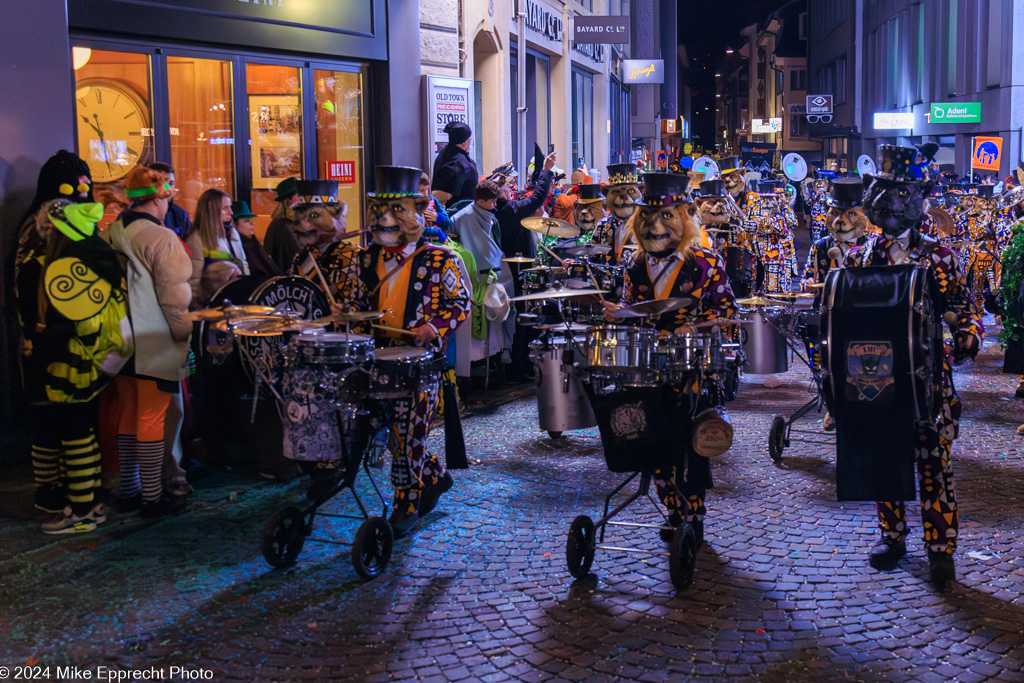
(584, 541)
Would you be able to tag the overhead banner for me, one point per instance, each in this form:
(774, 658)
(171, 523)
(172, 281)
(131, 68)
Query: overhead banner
(601, 29)
(987, 152)
(757, 156)
(643, 71)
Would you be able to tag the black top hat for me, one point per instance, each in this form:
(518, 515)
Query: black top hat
(769, 187)
(317, 191)
(847, 193)
(622, 174)
(927, 150)
(396, 182)
(728, 165)
(713, 188)
(665, 189)
(985, 191)
(899, 164)
(590, 193)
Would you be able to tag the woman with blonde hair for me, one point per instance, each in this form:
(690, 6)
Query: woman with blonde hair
(215, 246)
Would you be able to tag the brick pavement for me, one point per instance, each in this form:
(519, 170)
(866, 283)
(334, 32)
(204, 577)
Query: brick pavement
(481, 592)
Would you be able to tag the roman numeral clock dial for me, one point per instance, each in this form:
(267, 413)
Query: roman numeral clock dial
(111, 120)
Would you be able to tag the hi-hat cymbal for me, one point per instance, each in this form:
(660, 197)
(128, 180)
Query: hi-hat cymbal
(588, 249)
(519, 259)
(246, 326)
(642, 309)
(286, 326)
(756, 301)
(538, 269)
(558, 293)
(350, 316)
(226, 312)
(550, 226)
(790, 295)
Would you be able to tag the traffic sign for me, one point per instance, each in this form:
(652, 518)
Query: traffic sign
(987, 151)
(819, 104)
(661, 159)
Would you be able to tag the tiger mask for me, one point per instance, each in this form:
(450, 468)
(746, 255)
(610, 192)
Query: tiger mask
(660, 230)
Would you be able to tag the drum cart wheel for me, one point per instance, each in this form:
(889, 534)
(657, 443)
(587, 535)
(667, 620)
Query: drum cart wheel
(283, 536)
(777, 438)
(579, 547)
(682, 556)
(371, 548)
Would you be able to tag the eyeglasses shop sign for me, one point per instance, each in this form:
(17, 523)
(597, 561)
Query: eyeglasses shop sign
(643, 70)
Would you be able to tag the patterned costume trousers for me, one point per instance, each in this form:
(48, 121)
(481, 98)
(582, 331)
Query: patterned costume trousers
(983, 275)
(412, 466)
(683, 498)
(935, 481)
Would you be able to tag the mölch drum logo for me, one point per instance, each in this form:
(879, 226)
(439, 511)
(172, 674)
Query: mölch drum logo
(868, 368)
(629, 421)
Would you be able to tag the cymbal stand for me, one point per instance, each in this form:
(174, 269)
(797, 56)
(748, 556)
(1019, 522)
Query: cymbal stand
(261, 374)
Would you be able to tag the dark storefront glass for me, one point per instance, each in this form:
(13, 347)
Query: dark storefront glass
(538, 102)
(582, 118)
(339, 135)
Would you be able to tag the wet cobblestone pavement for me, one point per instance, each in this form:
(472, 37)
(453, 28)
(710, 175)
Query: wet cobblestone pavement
(481, 592)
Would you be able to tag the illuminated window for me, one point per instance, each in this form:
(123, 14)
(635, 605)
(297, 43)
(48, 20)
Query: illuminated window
(339, 136)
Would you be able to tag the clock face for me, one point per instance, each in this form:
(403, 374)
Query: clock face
(111, 122)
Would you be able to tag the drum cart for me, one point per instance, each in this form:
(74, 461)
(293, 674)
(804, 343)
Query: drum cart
(286, 531)
(800, 328)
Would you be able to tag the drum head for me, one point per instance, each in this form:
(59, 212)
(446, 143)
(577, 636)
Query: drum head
(290, 294)
(400, 353)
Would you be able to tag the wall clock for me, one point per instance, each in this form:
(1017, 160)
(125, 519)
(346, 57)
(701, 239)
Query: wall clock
(113, 127)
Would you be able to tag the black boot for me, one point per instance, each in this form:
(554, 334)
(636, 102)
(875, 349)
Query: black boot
(940, 568)
(432, 494)
(401, 521)
(887, 553)
(674, 520)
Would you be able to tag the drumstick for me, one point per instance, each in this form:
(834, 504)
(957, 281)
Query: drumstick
(388, 328)
(323, 283)
(553, 254)
(594, 280)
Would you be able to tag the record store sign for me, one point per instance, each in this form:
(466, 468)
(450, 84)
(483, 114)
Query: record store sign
(643, 70)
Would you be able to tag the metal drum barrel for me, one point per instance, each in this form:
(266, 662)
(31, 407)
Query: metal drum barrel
(763, 345)
(562, 403)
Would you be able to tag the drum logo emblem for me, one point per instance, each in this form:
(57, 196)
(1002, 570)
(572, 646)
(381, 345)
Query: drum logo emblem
(629, 421)
(869, 368)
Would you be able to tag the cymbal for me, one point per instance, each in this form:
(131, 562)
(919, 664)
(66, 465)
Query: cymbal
(572, 327)
(225, 312)
(715, 231)
(588, 249)
(550, 226)
(756, 301)
(558, 293)
(790, 295)
(538, 269)
(283, 326)
(814, 285)
(519, 259)
(642, 309)
(350, 316)
(247, 326)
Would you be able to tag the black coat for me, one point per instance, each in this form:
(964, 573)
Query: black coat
(515, 239)
(455, 173)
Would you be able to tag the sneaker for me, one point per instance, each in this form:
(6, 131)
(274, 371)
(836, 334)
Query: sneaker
(432, 494)
(50, 498)
(887, 553)
(167, 505)
(66, 522)
(828, 423)
(941, 568)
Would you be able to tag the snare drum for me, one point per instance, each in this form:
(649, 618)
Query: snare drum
(333, 348)
(401, 371)
(562, 403)
(764, 346)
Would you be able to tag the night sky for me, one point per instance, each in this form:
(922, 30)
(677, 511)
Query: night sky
(707, 29)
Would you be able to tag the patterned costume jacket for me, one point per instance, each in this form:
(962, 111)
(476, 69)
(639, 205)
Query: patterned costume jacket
(701, 280)
(610, 232)
(818, 210)
(337, 262)
(983, 254)
(774, 243)
(430, 291)
(818, 260)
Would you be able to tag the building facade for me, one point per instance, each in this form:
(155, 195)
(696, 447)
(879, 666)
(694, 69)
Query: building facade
(947, 71)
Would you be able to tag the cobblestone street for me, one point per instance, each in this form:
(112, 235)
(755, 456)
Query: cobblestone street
(481, 592)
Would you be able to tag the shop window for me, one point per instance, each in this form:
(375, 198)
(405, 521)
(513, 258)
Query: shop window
(113, 112)
(339, 136)
(201, 126)
(582, 119)
(274, 95)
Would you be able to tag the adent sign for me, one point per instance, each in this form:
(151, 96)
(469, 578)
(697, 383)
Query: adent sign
(956, 112)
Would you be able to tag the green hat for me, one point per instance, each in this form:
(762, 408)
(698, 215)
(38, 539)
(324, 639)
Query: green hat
(288, 187)
(240, 210)
(76, 221)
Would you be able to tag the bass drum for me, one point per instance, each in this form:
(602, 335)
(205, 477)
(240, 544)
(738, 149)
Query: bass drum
(744, 270)
(223, 387)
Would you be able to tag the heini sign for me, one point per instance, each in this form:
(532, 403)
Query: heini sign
(773, 125)
(956, 112)
(892, 120)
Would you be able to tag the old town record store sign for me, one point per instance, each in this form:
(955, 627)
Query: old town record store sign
(354, 28)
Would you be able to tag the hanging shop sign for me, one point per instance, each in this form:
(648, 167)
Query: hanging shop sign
(757, 156)
(987, 153)
(819, 104)
(601, 29)
(540, 20)
(643, 70)
(772, 125)
(893, 120)
(448, 99)
(956, 112)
